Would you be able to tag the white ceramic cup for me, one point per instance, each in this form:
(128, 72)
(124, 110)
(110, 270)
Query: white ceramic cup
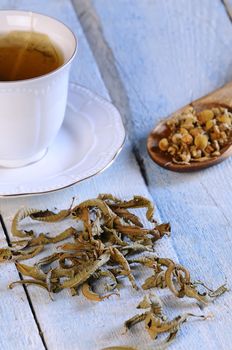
(32, 110)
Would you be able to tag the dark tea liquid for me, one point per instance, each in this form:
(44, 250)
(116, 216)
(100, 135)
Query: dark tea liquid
(25, 55)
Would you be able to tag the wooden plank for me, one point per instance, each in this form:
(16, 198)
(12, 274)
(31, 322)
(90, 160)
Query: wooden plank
(68, 322)
(18, 329)
(73, 323)
(82, 318)
(206, 185)
(167, 53)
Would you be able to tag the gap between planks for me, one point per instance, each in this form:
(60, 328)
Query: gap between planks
(109, 72)
(106, 62)
(24, 287)
(228, 8)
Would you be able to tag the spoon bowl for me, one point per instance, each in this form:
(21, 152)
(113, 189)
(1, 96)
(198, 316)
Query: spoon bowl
(219, 98)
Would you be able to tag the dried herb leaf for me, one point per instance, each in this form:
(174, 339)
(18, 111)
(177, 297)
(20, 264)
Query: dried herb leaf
(155, 281)
(5, 254)
(137, 202)
(20, 215)
(135, 319)
(119, 348)
(136, 247)
(29, 282)
(86, 272)
(219, 291)
(148, 261)
(48, 259)
(108, 274)
(43, 239)
(117, 256)
(155, 325)
(27, 254)
(128, 217)
(31, 271)
(50, 216)
(164, 229)
(108, 197)
(91, 295)
(107, 213)
(156, 322)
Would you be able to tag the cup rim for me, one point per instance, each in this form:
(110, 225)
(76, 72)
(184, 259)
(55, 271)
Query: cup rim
(23, 81)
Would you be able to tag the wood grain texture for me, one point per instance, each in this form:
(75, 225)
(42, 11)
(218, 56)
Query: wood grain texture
(73, 323)
(169, 53)
(17, 326)
(18, 329)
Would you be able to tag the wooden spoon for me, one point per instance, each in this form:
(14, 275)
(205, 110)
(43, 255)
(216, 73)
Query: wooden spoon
(218, 98)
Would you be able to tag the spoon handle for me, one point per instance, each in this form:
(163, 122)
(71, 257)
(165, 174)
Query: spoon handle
(221, 96)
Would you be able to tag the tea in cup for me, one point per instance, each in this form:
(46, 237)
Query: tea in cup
(36, 52)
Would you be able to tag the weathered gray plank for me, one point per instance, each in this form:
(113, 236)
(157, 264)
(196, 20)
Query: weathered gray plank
(51, 316)
(172, 69)
(65, 323)
(74, 323)
(18, 329)
(168, 53)
(71, 323)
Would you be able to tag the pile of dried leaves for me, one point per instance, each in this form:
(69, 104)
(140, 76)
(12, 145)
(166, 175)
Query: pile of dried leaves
(112, 239)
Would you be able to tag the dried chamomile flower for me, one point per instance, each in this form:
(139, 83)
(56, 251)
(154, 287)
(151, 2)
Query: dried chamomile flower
(164, 144)
(205, 115)
(201, 142)
(196, 136)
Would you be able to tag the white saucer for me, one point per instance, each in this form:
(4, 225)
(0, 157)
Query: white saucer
(89, 140)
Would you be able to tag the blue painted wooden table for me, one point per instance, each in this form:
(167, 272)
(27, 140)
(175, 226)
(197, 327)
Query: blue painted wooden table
(149, 57)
